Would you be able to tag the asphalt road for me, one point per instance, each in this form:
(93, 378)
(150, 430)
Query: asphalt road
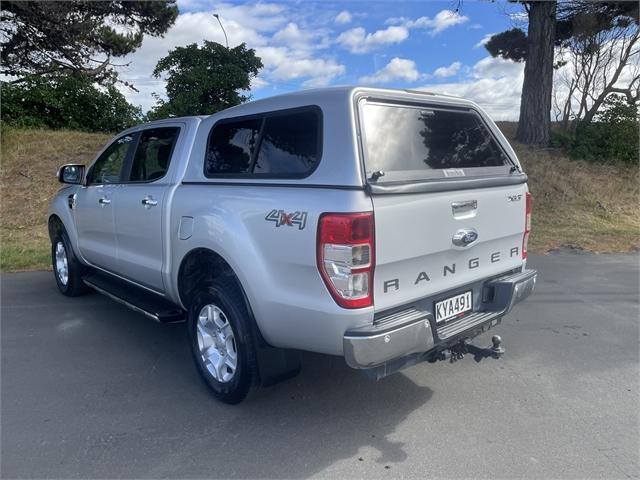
(91, 389)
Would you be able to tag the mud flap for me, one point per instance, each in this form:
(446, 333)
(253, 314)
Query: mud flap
(276, 365)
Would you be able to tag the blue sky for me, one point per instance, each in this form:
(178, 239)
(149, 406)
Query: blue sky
(305, 44)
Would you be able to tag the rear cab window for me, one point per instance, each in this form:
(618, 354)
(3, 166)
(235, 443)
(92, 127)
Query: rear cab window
(280, 144)
(407, 143)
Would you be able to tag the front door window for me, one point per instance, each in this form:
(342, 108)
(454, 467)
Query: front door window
(108, 167)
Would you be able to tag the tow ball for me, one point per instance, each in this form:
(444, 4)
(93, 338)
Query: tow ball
(459, 350)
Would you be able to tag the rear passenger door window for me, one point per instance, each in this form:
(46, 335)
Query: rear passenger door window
(153, 154)
(280, 144)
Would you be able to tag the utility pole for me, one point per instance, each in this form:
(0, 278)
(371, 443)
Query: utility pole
(226, 40)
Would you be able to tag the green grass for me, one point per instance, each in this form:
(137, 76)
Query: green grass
(30, 159)
(20, 251)
(579, 204)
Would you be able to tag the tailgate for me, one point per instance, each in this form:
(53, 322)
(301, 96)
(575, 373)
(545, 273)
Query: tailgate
(415, 253)
(449, 199)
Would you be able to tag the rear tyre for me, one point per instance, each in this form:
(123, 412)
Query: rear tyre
(222, 341)
(67, 270)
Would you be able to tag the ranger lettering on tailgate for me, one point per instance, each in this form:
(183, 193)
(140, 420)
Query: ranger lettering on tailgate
(394, 284)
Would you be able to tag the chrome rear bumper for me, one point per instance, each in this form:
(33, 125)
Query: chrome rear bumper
(401, 334)
(412, 332)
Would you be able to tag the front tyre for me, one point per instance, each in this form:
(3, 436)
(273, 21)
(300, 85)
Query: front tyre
(221, 340)
(66, 268)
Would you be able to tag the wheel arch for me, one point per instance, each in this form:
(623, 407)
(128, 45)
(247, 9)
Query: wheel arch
(200, 266)
(60, 217)
(55, 226)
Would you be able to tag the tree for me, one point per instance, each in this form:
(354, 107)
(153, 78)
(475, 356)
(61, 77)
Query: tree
(534, 126)
(612, 136)
(204, 80)
(49, 38)
(550, 25)
(68, 101)
(595, 64)
(536, 49)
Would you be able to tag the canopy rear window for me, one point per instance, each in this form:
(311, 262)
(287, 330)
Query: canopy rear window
(409, 142)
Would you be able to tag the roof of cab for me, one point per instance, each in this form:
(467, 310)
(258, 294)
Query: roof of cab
(189, 119)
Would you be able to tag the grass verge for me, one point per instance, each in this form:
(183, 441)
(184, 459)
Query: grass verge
(30, 160)
(578, 204)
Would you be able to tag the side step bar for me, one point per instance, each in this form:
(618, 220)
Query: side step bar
(142, 301)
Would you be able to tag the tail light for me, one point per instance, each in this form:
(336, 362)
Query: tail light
(346, 257)
(527, 224)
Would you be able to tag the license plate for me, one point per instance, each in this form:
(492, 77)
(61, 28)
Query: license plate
(453, 306)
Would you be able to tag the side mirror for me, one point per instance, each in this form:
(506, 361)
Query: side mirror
(71, 173)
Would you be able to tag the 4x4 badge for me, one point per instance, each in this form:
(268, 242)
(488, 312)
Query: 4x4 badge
(280, 217)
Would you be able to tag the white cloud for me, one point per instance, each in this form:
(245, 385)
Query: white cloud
(291, 34)
(396, 20)
(258, 83)
(324, 80)
(493, 83)
(484, 40)
(396, 69)
(450, 71)
(343, 18)
(357, 40)
(490, 67)
(287, 50)
(284, 64)
(293, 37)
(443, 20)
(519, 18)
(307, 67)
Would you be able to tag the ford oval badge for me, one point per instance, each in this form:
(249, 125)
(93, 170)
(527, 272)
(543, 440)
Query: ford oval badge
(465, 237)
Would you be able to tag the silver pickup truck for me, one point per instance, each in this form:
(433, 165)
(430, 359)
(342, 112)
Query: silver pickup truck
(386, 226)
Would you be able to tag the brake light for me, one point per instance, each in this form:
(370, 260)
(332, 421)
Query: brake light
(346, 257)
(527, 224)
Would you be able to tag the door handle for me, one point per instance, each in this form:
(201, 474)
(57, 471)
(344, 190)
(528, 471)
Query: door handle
(460, 207)
(104, 201)
(149, 202)
(464, 210)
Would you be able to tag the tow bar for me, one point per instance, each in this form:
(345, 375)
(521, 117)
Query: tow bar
(459, 350)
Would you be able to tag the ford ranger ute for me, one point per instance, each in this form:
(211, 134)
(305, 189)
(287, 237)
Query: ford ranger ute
(389, 227)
